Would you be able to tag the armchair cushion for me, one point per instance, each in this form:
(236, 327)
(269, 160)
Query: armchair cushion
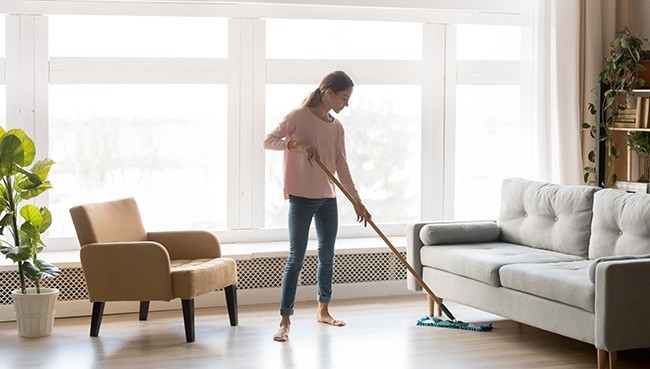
(195, 277)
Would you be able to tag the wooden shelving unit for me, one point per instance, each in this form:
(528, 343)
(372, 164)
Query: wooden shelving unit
(627, 165)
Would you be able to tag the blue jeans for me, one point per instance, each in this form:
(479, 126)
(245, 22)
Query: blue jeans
(325, 214)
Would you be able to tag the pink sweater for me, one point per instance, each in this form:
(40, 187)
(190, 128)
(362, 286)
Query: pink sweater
(301, 179)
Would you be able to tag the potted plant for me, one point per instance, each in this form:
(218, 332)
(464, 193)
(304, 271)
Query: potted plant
(639, 142)
(21, 227)
(621, 76)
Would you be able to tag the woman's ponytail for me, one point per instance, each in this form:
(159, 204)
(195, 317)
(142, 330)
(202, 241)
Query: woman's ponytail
(335, 81)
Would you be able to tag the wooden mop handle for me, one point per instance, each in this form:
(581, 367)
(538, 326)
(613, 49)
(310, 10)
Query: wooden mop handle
(380, 233)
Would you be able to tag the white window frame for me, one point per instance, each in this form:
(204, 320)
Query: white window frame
(246, 72)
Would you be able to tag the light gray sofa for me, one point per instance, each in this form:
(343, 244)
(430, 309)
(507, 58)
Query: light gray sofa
(573, 260)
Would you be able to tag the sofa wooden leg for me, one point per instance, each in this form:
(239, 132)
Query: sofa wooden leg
(432, 305)
(231, 301)
(188, 318)
(144, 310)
(602, 359)
(612, 359)
(96, 320)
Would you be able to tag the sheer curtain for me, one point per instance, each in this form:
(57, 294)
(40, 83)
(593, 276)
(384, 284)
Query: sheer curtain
(553, 81)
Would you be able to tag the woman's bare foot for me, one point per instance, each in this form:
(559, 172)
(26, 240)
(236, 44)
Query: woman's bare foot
(323, 316)
(283, 333)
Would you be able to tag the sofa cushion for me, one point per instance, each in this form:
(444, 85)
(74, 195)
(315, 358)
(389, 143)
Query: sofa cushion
(565, 282)
(621, 224)
(482, 261)
(440, 233)
(546, 216)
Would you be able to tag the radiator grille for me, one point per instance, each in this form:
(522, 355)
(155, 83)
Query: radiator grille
(255, 273)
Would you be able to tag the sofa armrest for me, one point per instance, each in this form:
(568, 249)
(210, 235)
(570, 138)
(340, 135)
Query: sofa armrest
(191, 244)
(413, 246)
(622, 300)
(595, 262)
(127, 271)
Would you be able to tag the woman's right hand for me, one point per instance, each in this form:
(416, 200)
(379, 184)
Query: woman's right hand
(309, 150)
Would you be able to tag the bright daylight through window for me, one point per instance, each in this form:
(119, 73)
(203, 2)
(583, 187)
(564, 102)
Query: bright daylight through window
(164, 144)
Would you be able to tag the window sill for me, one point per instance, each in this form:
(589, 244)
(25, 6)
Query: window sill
(244, 251)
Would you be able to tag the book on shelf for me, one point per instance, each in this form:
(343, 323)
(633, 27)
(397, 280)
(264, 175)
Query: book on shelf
(646, 112)
(639, 112)
(618, 124)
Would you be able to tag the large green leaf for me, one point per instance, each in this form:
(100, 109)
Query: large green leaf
(29, 149)
(31, 214)
(21, 253)
(33, 192)
(30, 234)
(11, 151)
(48, 269)
(26, 179)
(42, 168)
(38, 269)
(47, 219)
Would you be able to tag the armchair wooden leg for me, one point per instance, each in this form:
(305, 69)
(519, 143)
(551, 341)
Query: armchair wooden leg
(231, 301)
(188, 318)
(144, 310)
(96, 320)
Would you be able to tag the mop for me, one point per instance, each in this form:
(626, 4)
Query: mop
(425, 321)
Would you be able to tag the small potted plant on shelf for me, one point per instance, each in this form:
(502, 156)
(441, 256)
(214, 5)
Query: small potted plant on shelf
(639, 142)
(620, 76)
(21, 227)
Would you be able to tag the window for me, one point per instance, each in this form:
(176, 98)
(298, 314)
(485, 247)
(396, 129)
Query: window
(339, 39)
(488, 42)
(488, 133)
(125, 121)
(164, 145)
(155, 105)
(130, 36)
(488, 125)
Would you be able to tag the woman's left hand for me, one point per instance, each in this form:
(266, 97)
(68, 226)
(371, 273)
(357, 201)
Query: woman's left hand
(362, 214)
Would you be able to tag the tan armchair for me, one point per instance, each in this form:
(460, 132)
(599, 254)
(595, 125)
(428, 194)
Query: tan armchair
(123, 262)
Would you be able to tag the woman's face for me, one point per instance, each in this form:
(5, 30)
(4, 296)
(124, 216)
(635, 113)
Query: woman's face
(339, 100)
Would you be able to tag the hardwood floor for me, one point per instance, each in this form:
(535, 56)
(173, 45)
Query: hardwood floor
(380, 333)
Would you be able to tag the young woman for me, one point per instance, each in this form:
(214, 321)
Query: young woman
(305, 133)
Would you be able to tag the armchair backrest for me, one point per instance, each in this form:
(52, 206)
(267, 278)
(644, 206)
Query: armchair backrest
(111, 221)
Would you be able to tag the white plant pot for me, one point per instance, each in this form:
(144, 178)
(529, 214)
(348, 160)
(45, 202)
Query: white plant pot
(35, 312)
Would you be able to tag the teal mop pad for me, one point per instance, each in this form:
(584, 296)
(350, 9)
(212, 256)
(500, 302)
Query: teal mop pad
(456, 324)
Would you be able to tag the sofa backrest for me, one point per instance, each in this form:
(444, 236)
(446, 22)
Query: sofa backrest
(621, 224)
(546, 216)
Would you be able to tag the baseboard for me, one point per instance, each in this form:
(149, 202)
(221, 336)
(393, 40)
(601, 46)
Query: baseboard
(78, 308)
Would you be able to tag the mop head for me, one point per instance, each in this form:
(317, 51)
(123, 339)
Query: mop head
(456, 324)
